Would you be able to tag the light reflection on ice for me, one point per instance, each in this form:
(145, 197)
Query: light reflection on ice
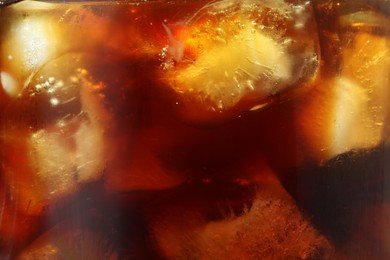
(8, 83)
(35, 39)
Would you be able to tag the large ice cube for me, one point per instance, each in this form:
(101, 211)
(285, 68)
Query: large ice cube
(350, 111)
(52, 135)
(272, 227)
(232, 56)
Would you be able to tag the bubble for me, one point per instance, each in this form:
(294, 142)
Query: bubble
(54, 101)
(51, 80)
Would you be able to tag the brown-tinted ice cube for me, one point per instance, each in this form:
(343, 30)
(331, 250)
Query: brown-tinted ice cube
(52, 138)
(349, 111)
(232, 56)
(34, 33)
(268, 226)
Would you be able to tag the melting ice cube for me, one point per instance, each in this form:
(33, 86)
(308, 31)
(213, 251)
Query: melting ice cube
(273, 227)
(58, 145)
(350, 111)
(235, 55)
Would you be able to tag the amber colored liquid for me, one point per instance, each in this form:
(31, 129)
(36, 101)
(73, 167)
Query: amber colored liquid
(100, 160)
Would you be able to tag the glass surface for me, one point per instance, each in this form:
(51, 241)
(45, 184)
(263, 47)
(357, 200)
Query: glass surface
(231, 129)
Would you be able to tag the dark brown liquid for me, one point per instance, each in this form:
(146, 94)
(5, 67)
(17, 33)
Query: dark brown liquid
(157, 181)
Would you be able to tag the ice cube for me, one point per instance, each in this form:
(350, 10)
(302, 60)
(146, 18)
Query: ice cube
(36, 33)
(272, 227)
(350, 111)
(367, 62)
(236, 55)
(52, 136)
(56, 162)
(28, 43)
(337, 119)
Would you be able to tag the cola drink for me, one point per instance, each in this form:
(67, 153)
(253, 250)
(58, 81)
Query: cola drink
(229, 129)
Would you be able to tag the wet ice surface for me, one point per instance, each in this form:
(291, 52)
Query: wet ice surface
(232, 56)
(268, 225)
(351, 109)
(59, 137)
